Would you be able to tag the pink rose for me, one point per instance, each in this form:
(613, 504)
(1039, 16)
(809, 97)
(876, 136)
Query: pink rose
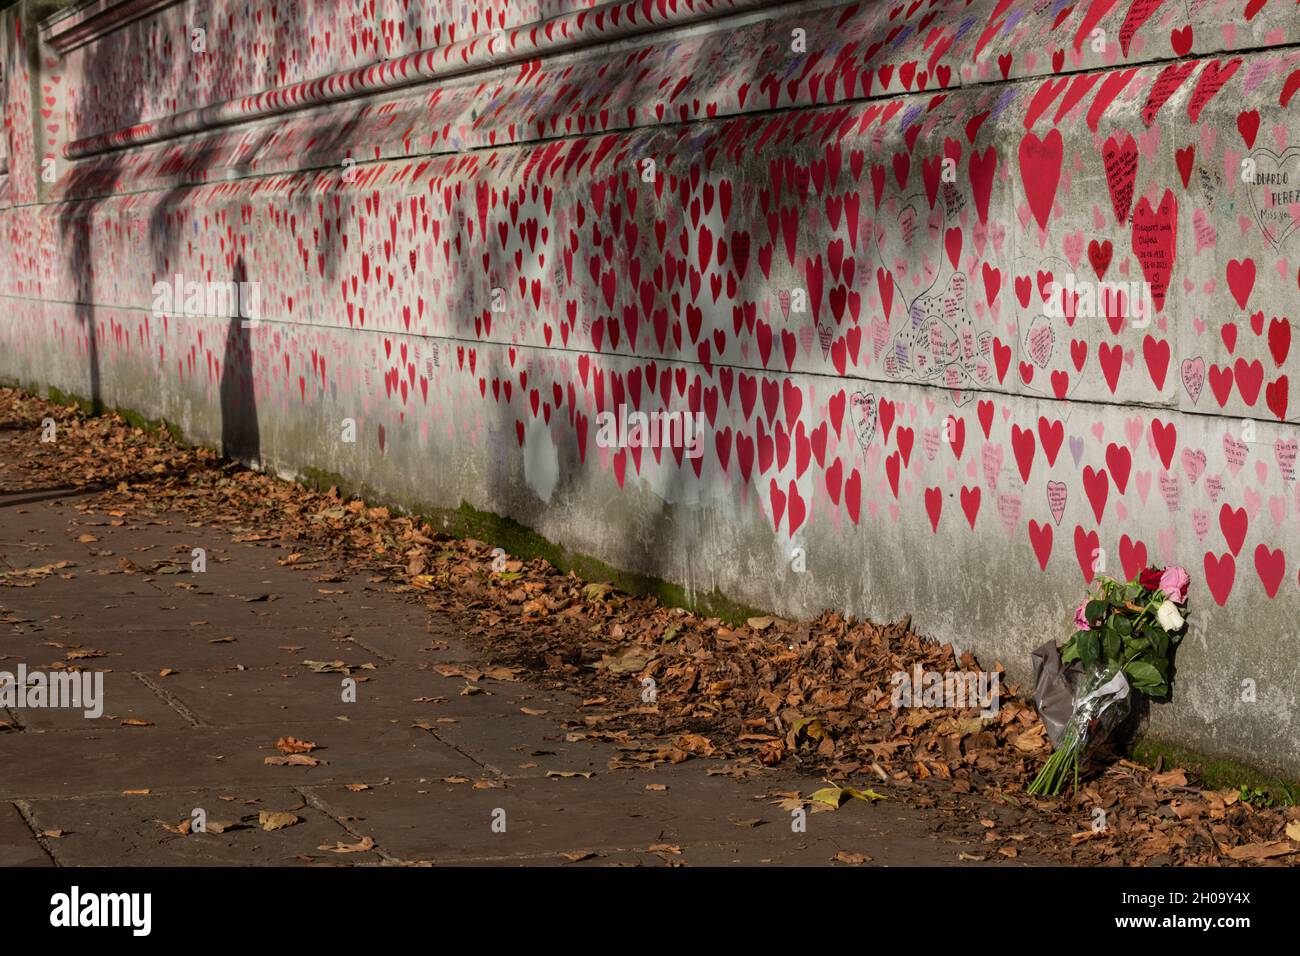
(1081, 619)
(1174, 583)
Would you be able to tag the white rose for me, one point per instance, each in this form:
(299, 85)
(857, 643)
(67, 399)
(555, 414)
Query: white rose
(1169, 618)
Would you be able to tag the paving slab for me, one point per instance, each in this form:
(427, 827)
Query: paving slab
(147, 830)
(19, 845)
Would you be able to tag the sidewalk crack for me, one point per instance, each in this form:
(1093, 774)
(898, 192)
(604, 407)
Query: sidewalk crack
(171, 700)
(315, 802)
(29, 817)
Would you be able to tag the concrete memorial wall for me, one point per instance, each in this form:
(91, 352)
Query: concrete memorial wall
(937, 307)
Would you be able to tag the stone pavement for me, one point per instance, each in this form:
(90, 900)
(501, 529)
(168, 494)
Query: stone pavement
(205, 672)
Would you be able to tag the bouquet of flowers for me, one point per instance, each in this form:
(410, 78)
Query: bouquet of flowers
(1125, 640)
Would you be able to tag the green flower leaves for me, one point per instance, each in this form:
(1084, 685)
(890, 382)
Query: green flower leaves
(1125, 634)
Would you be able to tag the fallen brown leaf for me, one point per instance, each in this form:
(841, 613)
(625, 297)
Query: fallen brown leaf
(367, 843)
(1263, 851)
(291, 760)
(853, 859)
(1171, 778)
(271, 820)
(292, 745)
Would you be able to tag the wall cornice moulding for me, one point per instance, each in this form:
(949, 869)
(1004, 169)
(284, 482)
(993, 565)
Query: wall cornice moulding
(603, 24)
(69, 29)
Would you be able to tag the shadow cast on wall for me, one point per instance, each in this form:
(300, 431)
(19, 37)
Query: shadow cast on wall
(240, 434)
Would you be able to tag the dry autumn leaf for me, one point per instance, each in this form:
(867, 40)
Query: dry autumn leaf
(43, 571)
(694, 744)
(835, 797)
(271, 820)
(291, 760)
(292, 745)
(366, 843)
(1171, 778)
(626, 660)
(1263, 851)
(458, 670)
(1031, 740)
(852, 859)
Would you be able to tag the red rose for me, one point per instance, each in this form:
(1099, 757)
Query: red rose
(1150, 578)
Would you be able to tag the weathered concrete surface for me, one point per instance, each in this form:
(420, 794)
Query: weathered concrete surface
(993, 452)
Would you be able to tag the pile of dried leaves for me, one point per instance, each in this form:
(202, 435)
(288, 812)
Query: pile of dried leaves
(664, 684)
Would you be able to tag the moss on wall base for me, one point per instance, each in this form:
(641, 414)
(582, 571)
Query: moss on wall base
(524, 543)
(1218, 773)
(132, 418)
